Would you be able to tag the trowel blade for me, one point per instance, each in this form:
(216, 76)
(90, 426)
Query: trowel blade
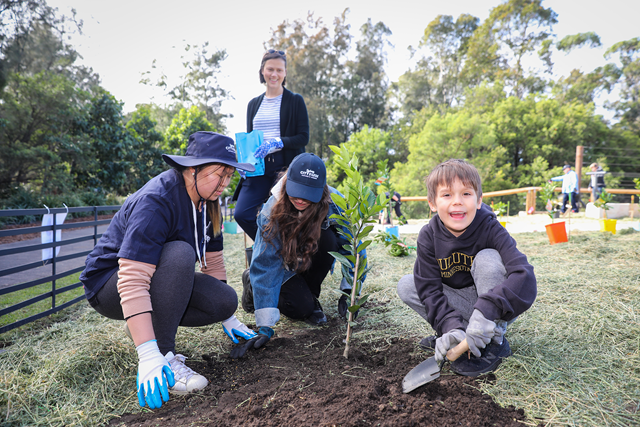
(426, 371)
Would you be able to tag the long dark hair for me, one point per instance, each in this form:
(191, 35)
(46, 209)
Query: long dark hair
(298, 231)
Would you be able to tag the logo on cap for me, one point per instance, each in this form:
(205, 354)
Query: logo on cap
(309, 174)
(230, 148)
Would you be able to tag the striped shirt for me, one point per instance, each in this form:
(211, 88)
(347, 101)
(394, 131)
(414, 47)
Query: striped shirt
(267, 118)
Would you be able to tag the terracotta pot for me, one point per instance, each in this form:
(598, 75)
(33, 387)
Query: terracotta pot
(608, 225)
(557, 232)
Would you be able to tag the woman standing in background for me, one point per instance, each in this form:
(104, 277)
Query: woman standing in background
(282, 117)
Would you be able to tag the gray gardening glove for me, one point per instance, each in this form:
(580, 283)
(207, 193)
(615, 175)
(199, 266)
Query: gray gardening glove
(447, 342)
(480, 332)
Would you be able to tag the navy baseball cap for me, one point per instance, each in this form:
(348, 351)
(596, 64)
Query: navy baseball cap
(208, 147)
(306, 177)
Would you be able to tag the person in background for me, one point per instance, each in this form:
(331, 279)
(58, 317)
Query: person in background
(282, 117)
(570, 188)
(469, 281)
(142, 270)
(291, 255)
(397, 202)
(596, 185)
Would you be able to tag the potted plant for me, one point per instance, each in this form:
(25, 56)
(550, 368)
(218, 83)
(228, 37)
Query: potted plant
(396, 246)
(556, 231)
(603, 202)
(500, 209)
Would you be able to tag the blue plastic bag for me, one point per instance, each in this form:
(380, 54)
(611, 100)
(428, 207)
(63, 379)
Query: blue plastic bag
(246, 145)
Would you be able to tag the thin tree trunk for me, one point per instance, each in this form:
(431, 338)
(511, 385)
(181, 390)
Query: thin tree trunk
(353, 302)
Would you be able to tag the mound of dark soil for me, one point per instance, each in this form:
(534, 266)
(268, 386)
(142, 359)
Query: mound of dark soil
(302, 379)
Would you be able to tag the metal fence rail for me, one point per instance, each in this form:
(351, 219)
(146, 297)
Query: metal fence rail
(54, 261)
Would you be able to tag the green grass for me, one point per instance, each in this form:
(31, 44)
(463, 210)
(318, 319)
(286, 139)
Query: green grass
(40, 306)
(576, 358)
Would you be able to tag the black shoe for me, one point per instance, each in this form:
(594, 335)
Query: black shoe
(318, 317)
(247, 293)
(343, 305)
(429, 343)
(490, 357)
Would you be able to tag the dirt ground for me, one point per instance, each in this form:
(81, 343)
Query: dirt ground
(302, 379)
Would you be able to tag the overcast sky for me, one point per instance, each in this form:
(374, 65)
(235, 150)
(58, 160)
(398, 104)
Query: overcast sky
(122, 38)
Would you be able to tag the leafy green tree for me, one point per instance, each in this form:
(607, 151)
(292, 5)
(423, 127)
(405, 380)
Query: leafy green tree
(199, 85)
(111, 148)
(37, 118)
(453, 135)
(370, 145)
(184, 124)
(361, 98)
(436, 79)
(627, 107)
(147, 161)
(315, 56)
(511, 35)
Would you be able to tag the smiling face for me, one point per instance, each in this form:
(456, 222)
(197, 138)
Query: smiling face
(274, 71)
(299, 204)
(456, 205)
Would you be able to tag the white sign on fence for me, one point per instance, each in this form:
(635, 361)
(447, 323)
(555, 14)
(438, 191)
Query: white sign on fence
(47, 236)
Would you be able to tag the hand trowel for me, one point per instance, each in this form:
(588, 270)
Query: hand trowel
(429, 370)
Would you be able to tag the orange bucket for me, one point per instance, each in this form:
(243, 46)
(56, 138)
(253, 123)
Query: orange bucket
(557, 232)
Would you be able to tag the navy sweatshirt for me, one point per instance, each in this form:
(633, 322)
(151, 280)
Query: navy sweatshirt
(444, 258)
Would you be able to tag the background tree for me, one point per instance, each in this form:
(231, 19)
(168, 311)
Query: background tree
(199, 85)
(187, 121)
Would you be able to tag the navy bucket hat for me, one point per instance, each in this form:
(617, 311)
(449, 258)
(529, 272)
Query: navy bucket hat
(208, 147)
(306, 177)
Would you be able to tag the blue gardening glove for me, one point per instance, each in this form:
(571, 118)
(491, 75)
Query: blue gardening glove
(154, 375)
(269, 146)
(235, 328)
(480, 332)
(447, 341)
(264, 335)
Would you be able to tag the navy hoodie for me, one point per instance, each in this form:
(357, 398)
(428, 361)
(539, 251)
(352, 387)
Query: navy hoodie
(444, 258)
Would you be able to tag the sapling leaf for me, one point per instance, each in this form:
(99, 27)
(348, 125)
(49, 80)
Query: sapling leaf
(341, 259)
(364, 245)
(354, 308)
(363, 299)
(353, 324)
(339, 200)
(365, 232)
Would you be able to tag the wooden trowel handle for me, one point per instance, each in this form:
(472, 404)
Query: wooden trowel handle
(458, 350)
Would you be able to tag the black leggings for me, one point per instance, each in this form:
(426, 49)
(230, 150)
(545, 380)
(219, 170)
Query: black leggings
(298, 293)
(179, 296)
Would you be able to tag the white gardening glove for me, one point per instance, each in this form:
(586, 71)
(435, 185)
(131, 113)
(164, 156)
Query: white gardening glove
(233, 327)
(447, 341)
(480, 332)
(269, 146)
(154, 375)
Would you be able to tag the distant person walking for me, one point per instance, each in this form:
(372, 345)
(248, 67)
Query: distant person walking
(569, 188)
(597, 181)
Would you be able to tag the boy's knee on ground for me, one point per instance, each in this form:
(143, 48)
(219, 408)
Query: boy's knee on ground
(406, 287)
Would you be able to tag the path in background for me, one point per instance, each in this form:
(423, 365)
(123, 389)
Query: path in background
(9, 261)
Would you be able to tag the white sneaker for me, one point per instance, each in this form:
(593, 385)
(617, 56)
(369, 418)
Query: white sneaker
(187, 381)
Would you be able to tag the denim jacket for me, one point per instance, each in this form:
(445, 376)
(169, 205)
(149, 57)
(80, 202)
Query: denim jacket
(268, 272)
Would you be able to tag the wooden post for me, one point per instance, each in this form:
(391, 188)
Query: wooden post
(579, 156)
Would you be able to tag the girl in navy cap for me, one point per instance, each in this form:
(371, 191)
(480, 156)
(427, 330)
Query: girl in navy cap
(282, 117)
(142, 268)
(291, 253)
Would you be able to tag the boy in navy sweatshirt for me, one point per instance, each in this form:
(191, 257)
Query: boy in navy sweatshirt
(469, 280)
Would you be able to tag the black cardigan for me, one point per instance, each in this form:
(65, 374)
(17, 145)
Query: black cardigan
(294, 123)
